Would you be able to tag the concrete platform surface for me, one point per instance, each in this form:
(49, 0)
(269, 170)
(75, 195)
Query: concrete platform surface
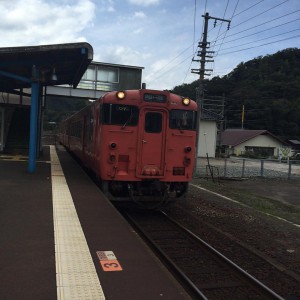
(41, 251)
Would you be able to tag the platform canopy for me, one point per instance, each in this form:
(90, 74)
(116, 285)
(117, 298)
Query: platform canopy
(37, 66)
(67, 61)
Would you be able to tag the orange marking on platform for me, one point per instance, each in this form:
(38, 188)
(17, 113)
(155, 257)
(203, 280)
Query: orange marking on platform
(110, 265)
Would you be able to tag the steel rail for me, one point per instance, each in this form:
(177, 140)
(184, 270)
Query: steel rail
(186, 282)
(255, 281)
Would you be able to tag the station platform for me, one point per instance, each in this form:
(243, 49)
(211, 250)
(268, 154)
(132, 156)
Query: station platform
(60, 238)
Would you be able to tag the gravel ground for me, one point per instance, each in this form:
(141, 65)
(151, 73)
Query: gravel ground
(264, 216)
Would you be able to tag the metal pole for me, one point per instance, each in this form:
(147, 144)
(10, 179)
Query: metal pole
(262, 168)
(290, 170)
(203, 59)
(33, 122)
(243, 168)
(199, 95)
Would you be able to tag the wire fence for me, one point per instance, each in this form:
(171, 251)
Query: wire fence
(245, 168)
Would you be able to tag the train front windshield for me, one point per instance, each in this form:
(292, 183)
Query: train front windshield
(118, 114)
(183, 119)
(128, 115)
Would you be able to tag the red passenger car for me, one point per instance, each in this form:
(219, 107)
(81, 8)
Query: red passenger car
(139, 143)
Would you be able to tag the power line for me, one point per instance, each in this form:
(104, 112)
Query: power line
(189, 57)
(263, 23)
(261, 45)
(260, 14)
(255, 33)
(188, 70)
(226, 30)
(186, 49)
(226, 37)
(222, 53)
(248, 8)
(194, 34)
(265, 38)
(171, 62)
(222, 22)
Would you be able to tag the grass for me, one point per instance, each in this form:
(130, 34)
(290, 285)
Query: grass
(260, 203)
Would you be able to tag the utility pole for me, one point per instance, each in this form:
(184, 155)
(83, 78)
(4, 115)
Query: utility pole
(203, 54)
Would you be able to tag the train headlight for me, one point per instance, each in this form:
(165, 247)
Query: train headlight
(186, 101)
(121, 95)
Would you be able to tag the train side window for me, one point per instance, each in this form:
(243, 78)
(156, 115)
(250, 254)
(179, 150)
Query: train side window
(75, 129)
(153, 122)
(183, 119)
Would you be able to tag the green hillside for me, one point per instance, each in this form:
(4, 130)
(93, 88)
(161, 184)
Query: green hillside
(269, 89)
(58, 108)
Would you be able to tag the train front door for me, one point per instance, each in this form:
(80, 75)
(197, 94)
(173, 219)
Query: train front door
(152, 142)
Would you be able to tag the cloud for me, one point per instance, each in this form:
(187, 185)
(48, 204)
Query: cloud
(40, 22)
(138, 31)
(123, 55)
(161, 74)
(143, 2)
(106, 5)
(139, 14)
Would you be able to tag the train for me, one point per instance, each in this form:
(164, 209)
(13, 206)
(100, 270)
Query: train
(139, 144)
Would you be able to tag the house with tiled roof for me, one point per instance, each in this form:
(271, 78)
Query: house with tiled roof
(295, 144)
(260, 143)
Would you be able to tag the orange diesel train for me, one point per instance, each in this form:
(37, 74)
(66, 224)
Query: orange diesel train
(140, 144)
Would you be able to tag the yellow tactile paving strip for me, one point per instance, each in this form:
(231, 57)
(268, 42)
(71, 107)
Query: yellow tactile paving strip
(18, 157)
(76, 276)
(13, 157)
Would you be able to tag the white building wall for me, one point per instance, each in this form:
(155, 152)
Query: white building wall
(207, 138)
(259, 141)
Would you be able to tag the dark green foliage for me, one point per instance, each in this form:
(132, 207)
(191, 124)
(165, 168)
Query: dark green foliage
(269, 89)
(187, 90)
(58, 108)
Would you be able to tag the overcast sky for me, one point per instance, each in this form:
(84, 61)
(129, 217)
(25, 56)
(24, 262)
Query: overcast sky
(159, 35)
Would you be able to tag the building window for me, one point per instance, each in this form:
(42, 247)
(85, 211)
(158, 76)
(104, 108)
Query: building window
(89, 74)
(100, 78)
(107, 74)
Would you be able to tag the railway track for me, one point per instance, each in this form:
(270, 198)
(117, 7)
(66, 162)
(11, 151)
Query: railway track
(204, 271)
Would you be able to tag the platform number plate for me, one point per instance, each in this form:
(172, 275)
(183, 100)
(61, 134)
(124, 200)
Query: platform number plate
(108, 261)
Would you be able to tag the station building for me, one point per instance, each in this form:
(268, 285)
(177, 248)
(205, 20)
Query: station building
(99, 79)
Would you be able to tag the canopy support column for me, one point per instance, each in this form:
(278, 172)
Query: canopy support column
(33, 123)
